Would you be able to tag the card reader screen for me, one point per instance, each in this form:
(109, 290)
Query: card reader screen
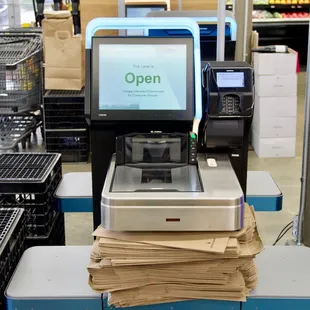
(230, 79)
(142, 77)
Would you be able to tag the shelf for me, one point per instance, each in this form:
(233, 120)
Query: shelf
(278, 21)
(261, 7)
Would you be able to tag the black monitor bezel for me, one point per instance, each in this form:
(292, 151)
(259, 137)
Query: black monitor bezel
(143, 115)
(145, 6)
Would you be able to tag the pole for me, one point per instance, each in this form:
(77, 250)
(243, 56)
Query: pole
(245, 33)
(179, 5)
(303, 229)
(121, 13)
(234, 7)
(220, 46)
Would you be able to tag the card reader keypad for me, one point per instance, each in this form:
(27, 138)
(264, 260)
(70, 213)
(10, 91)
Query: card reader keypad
(192, 158)
(231, 105)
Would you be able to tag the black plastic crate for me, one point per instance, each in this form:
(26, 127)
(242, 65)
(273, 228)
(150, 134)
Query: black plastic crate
(12, 245)
(64, 96)
(69, 156)
(72, 144)
(56, 235)
(64, 109)
(65, 122)
(38, 206)
(27, 172)
(34, 230)
(41, 219)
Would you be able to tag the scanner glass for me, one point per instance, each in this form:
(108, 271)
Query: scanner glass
(156, 179)
(156, 162)
(155, 149)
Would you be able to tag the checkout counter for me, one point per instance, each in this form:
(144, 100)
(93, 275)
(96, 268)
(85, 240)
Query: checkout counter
(62, 283)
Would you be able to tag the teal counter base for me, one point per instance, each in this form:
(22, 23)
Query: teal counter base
(184, 305)
(265, 204)
(273, 304)
(54, 304)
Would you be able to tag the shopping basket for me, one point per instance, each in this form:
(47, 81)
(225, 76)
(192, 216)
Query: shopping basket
(20, 72)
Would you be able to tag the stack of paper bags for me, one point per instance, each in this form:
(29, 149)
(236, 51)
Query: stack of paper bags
(156, 267)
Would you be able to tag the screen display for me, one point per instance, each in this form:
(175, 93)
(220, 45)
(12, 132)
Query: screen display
(140, 12)
(230, 79)
(142, 77)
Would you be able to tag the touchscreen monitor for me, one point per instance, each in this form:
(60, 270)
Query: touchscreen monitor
(143, 78)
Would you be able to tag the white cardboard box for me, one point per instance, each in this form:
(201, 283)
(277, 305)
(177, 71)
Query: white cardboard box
(274, 127)
(275, 106)
(273, 147)
(276, 85)
(275, 63)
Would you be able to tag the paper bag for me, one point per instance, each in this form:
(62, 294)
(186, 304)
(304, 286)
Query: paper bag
(52, 25)
(55, 21)
(63, 62)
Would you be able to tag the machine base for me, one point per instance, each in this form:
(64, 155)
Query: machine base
(170, 218)
(217, 206)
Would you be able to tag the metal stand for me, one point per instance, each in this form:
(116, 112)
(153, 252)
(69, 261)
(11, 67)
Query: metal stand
(303, 232)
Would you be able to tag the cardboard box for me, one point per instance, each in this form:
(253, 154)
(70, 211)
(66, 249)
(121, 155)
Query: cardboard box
(275, 106)
(276, 85)
(274, 127)
(273, 147)
(275, 63)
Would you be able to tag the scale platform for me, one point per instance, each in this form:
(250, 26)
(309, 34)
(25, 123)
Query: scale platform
(189, 198)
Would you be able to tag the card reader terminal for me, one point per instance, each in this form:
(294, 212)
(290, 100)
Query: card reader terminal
(229, 89)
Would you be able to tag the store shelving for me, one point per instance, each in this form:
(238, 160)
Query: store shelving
(286, 24)
(275, 6)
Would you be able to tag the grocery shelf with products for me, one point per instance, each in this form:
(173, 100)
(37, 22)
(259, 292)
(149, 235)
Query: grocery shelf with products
(282, 22)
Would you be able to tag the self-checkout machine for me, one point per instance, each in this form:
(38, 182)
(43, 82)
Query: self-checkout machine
(62, 283)
(261, 191)
(34, 284)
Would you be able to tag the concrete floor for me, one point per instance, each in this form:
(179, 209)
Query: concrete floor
(285, 171)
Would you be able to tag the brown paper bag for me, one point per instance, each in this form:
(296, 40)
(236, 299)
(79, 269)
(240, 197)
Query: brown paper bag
(52, 25)
(63, 62)
(55, 21)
